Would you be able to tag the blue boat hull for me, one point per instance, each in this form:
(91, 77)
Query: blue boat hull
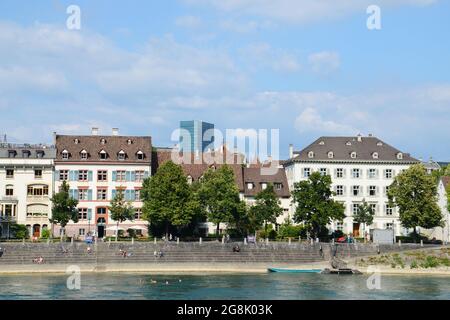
(295, 270)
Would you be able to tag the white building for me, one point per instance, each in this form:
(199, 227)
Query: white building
(360, 168)
(96, 167)
(26, 186)
(442, 233)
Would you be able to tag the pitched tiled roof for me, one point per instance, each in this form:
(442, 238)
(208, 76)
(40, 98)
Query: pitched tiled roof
(93, 145)
(27, 152)
(343, 147)
(253, 175)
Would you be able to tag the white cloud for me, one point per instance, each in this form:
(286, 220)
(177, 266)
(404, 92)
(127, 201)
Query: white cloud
(303, 11)
(188, 22)
(311, 121)
(324, 62)
(249, 26)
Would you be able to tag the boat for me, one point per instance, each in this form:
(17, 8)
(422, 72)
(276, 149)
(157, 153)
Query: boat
(341, 271)
(295, 270)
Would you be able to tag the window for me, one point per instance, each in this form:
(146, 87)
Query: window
(140, 155)
(375, 155)
(278, 186)
(330, 155)
(63, 175)
(311, 154)
(84, 155)
(102, 175)
(263, 186)
(353, 155)
(137, 195)
(40, 154)
(400, 156)
(356, 173)
(102, 194)
(373, 206)
(189, 179)
(138, 214)
(386, 190)
(37, 190)
(339, 190)
(81, 232)
(389, 225)
(339, 173)
(65, 155)
(372, 191)
(389, 210)
(82, 194)
(82, 214)
(323, 171)
(372, 173)
(12, 153)
(339, 226)
(121, 155)
(355, 208)
(101, 210)
(139, 176)
(9, 191)
(356, 190)
(9, 173)
(103, 155)
(121, 176)
(38, 174)
(306, 172)
(388, 173)
(26, 153)
(129, 141)
(83, 175)
(250, 185)
(76, 141)
(103, 141)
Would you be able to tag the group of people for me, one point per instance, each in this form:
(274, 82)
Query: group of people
(158, 254)
(1, 252)
(236, 248)
(39, 260)
(124, 253)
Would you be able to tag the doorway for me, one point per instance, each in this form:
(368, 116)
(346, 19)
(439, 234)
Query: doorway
(101, 224)
(356, 227)
(36, 231)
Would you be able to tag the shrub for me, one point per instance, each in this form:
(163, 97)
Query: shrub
(45, 234)
(414, 265)
(291, 231)
(19, 231)
(430, 262)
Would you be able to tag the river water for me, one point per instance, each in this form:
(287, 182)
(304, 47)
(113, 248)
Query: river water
(268, 286)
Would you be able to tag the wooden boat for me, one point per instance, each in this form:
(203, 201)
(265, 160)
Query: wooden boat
(295, 270)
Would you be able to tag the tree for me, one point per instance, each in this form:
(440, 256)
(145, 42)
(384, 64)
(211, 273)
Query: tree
(168, 198)
(64, 207)
(315, 207)
(267, 206)
(364, 215)
(120, 209)
(19, 231)
(219, 195)
(415, 194)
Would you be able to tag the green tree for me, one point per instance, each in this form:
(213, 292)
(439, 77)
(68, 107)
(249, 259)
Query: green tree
(120, 209)
(168, 198)
(364, 215)
(219, 195)
(315, 207)
(415, 194)
(19, 231)
(267, 207)
(64, 207)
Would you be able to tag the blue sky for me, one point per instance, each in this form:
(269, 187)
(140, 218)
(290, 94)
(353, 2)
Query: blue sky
(306, 67)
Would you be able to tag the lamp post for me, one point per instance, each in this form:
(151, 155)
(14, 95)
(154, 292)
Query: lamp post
(89, 222)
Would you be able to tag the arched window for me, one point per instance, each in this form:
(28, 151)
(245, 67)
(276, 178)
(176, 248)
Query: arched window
(353, 155)
(311, 154)
(103, 141)
(129, 141)
(400, 156)
(330, 155)
(375, 155)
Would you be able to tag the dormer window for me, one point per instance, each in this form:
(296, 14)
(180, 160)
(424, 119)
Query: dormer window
(375, 155)
(103, 141)
(26, 153)
(311, 154)
(348, 143)
(380, 144)
(353, 155)
(189, 179)
(322, 143)
(129, 141)
(76, 141)
(249, 185)
(40, 154)
(121, 155)
(140, 155)
(400, 156)
(12, 153)
(84, 155)
(103, 155)
(263, 186)
(65, 155)
(213, 168)
(330, 155)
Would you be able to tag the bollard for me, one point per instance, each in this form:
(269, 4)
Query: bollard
(245, 241)
(317, 240)
(200, 240)
(154, 240)
(267, 240)
(399, 242)
(48, 241)
(421, 243)
(71, 241)
(299, 239)
(223, 240)
(132, 241)
(23, 241)
(109, 241)
(289, 241)
(178, 240)
(312, 242)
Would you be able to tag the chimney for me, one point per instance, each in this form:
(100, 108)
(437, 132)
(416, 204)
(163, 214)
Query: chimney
(291, 151)
(94, 131)
(115, 131)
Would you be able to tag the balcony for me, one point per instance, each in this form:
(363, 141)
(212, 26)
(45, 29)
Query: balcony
(6, 219)
(9, 199)
(38, 198)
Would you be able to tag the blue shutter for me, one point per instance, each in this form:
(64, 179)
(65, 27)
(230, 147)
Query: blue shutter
(133, 195)
(90, 194)
(72, 175)
(89, 214)
(114, 192)
(75, 178)
(128, 175)
(56, 175)
(133, 176)
(114, 176)
(75, 194)
(127, 195)
(71, 193)
(146, 173)
(90, 175)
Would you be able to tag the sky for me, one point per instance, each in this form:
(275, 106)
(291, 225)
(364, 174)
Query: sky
(308, 68)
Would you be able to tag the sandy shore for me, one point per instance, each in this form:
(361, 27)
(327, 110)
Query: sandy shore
(207, 268)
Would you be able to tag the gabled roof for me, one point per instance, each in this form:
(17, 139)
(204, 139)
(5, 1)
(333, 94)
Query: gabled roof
(253, 175)
(343, 147)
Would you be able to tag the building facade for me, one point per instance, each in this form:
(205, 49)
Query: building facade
(26, 187)
(361, 168)
(196, 136)
(96, 167)
(442, 233)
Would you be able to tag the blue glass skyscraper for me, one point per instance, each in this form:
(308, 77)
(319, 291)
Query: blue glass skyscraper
(198, 142)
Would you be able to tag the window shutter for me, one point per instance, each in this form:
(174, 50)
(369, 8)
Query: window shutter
(89, 214)
(56, 175)
(335, 173)
(114, 176)
(114, 192)
(133, 195)
(76, 194)
(90, 175)
(377, 191)
(146, 174)
(75, 177)
(90, 194)
(71, 175)
(345, 190)
(344, 172)
(133, 176)
(128, 175)
(377, 173)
